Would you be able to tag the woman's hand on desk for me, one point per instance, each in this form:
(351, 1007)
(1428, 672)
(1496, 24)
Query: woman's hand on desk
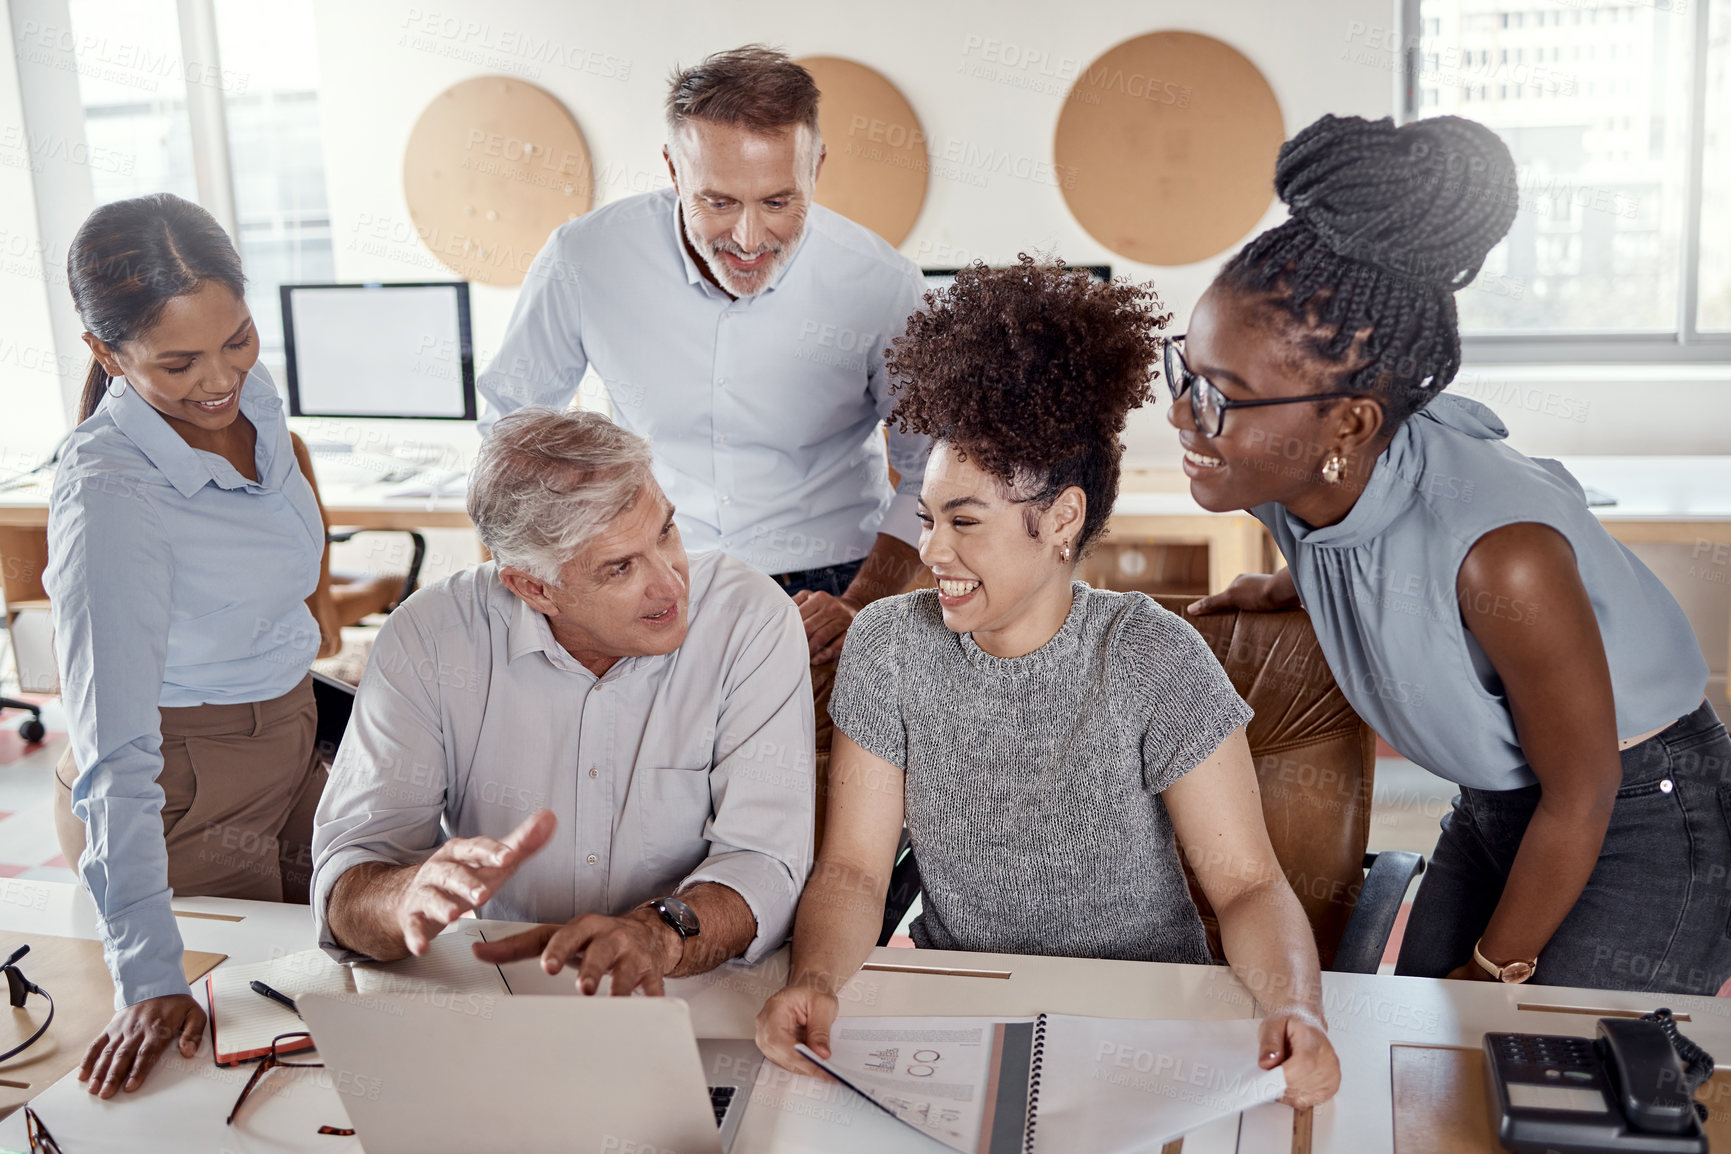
(124, 1053)
(1297, 1042)
(799, 1013)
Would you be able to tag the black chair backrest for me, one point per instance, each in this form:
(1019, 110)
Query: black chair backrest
(336, 700)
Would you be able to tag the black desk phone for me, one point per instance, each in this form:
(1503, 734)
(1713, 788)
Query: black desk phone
(1630, 1090)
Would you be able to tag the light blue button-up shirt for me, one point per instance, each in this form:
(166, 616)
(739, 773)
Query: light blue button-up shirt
(764, 410)
(174, 581)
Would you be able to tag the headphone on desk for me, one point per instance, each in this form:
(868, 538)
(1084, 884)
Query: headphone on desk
(18, 988)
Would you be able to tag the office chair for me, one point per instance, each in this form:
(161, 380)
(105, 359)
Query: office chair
(1315, 763)
(31, 728)
(413, 577)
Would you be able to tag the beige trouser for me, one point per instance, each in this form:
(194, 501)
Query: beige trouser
(240, 784)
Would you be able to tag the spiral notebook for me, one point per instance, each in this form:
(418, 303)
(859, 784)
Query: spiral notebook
(1051, 1083)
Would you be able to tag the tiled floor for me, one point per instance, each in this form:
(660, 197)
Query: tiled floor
(27, 845)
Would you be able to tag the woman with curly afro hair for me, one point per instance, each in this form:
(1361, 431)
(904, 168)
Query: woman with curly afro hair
(1042, 741)
(1472, 608)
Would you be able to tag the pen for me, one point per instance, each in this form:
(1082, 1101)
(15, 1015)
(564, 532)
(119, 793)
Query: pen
(265, 991)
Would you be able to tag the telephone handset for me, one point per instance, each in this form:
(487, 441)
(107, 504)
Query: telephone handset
(1631, 1089)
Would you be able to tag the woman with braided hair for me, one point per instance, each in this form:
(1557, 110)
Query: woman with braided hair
(1043, 741)
(1472, 609)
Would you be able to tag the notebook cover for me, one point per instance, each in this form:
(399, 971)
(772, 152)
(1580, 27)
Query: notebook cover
(237, 1058)
(237, 1008)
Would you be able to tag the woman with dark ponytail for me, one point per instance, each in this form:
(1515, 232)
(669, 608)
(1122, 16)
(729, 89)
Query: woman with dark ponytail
(184, 543)
(1473, 610)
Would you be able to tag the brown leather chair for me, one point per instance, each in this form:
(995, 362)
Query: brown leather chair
(1315, 761)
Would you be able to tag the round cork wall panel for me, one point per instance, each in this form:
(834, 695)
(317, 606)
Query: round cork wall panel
(875, 173)
(1166, 148)
(493, 165)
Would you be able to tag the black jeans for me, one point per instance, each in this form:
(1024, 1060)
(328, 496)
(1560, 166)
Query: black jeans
(1656, 913)
(832, 579)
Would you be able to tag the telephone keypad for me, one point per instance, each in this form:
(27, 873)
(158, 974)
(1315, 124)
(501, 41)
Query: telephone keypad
(1556, 1056)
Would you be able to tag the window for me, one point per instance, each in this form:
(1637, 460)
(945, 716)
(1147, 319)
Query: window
(1715, 262)
(1613, 169)
(270, 90)
(133, 88)
(133, 73)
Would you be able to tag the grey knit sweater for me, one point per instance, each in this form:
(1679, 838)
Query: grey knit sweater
(1033, 783)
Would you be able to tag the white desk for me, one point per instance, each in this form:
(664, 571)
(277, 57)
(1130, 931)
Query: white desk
(349, 503)
(788, 1114)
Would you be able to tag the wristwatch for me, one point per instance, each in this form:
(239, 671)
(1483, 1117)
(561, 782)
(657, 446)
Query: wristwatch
(1513, 972)
(680, 916)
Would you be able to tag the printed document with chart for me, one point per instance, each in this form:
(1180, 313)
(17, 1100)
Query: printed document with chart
(1052, 1083)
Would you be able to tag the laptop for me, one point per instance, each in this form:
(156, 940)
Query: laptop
(531, 1074)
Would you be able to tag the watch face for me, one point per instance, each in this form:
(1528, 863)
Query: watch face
(1518, 971)
(678, 915)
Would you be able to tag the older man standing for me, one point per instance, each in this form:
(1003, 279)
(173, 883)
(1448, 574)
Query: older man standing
(651, 714)
(741, 328)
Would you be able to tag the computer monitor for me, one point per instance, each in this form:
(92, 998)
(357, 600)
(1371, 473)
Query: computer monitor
(379, 350)
(937, 278)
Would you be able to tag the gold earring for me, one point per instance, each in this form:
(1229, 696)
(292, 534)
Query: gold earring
(1334, 467)
(1064, 553)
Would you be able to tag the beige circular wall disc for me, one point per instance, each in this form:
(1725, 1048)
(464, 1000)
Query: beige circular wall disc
(875, 173)
(1166, 147)
(493, 165)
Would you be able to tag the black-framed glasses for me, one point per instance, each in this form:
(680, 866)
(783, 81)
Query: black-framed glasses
(19, 987)
(280, 1044)
(41, 1141)
(1208, 405)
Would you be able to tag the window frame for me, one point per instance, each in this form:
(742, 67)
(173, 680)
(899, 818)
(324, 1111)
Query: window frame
(207, 116)
(1685, 343)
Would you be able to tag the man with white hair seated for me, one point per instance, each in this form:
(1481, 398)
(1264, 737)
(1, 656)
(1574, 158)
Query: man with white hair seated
(591, 731)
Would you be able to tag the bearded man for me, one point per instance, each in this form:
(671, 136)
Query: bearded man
(741, 328)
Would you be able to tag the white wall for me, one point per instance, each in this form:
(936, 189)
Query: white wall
(382, 62)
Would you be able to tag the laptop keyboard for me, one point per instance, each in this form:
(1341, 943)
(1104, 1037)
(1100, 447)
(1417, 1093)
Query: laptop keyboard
(721, 1097)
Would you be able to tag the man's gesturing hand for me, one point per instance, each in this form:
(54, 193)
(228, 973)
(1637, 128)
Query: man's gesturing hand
(638, 949)
(465, 873)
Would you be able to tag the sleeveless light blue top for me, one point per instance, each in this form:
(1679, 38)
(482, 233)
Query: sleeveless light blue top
(1380, 588)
